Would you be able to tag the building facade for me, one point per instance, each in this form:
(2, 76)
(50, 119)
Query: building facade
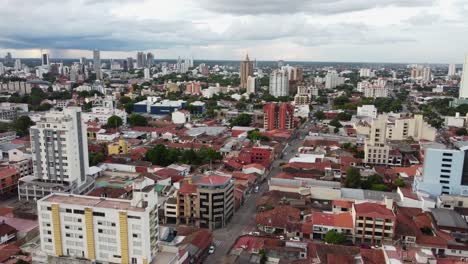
(278, 116)
(279, 83)
(246, 70)
(101, 229)
(376, 149)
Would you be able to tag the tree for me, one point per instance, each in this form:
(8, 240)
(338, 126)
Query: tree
(137, 120)
(255, 135)
(114, 121)
(22, 125)
(320, 115)
(241, 120)
(373, 182)
(353, 178)
(125, 100)
(461, 132)
(336, 123)
(95, 158)
(399, 182)
(158, 155)
(333, 237)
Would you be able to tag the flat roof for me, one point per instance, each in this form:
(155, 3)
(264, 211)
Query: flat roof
(89, 201)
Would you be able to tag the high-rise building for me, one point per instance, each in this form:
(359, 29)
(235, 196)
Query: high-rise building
(452, 70)
(60, 156)
(141, 60)
(279, 83)
(445, 170)
(83, 60)
(464, 80)
(146, 73)
(294, 73)
(376, 149)
(251, 85)
(130, 63)
(97, 64)
(45, 59)
(426, 74)
(246, 70)
(2, 69)
(100, 229)
(364, 72)
(18, 65)
(149, 60)
(8, 58)
(333, 79)
(278, 116)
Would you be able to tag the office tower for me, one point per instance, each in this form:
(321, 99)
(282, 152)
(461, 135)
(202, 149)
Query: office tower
(426, 74)
(333, 79)
(251, 85)
(452, 70)
(18, 64)
(215, 201)
(246, 70)
(464, 80)
(279, 83)
(146, 74)
(278, 116)
(8, 58)
(141, 59)
(445, 170)
(82, 60)
(376, 149)
(125, 65)
(97, 64)
(100, 229)
(149, 60)
(45, 59)
(59, 149)
(130, 63)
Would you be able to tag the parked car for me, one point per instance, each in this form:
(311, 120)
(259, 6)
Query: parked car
(254, 233)
(295, 239)
(281, 237)
(256, 189)
(211, 250)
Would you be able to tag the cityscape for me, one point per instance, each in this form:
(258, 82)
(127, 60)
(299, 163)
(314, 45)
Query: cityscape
(208, 140)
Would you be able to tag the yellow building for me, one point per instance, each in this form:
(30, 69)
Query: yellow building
(118, 148)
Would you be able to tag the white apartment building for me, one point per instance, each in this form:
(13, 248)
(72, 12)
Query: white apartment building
(98, 229)
(367, 110)
(101, 114)
(452, 70)
(445, 170)
(59, 150)
(251, 84)
(414, 127)
(426, 74)
(146, 73)
(279, 83)
(375, 91)
(365, 72)
(456, 121)
(333, 79)
(376, 149)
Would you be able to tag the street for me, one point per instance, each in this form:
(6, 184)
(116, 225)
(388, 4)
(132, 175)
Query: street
(243, 221)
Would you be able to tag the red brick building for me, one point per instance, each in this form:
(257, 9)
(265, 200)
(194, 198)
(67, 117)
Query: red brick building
(8, 181)
(278, 116)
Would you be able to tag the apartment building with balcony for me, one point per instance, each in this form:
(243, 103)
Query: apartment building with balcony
(374, 223)
(98, 229)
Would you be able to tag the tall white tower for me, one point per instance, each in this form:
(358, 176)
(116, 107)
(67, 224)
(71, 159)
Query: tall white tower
(464, 80)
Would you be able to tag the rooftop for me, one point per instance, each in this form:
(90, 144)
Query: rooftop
(89, 201)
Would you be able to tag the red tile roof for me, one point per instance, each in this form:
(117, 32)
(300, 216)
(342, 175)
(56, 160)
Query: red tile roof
(342, 204)
(188, 188)
(279, 216)
(6, 229)
(214, 180)
(343, 220)
(373, 210)
(7, 251)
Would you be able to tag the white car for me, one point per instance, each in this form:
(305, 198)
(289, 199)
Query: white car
(254, 233)
(281, 237)
(211, 250)
(295, 239)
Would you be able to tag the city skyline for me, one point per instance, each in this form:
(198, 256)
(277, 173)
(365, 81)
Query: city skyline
(389, 31)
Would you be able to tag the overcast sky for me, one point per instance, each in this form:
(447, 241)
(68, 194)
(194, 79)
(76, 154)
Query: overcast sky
(305, 30)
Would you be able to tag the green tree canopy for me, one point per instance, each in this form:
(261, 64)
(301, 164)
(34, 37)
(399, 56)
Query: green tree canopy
(320, 115)
(241, 120)
(353, 178)
(114, 121)
(22, 125)
(334, 237)
(137, 120)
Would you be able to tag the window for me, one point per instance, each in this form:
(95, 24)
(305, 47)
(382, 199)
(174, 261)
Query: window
(133, 217)
(77, 211)
(447, 165)
(448, 154)
(447, 160)
(99, 214)
(445, 182)
(446, 171)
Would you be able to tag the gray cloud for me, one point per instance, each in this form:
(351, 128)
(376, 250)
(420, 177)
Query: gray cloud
(249, 7)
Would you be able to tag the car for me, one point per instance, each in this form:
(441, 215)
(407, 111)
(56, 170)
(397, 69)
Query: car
(256, 189)
(295, 239)
(211, 250)
(281, 237)
(254, 233)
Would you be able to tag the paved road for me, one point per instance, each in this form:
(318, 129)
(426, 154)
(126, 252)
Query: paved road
(243, 221)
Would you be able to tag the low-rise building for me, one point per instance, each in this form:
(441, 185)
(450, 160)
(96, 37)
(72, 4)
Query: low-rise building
(374, 223)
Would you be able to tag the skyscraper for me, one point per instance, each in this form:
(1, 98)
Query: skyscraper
(8, 58)
(278, 116)
(59, 149)
(251, 85)
(246, 70)
(130, 63)
(464, 80)
(141, 59)
(149, 59)
(97, 64)
(17, 64)
(427, 74)
(45, 59)
(279, 83)
(452, 70)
